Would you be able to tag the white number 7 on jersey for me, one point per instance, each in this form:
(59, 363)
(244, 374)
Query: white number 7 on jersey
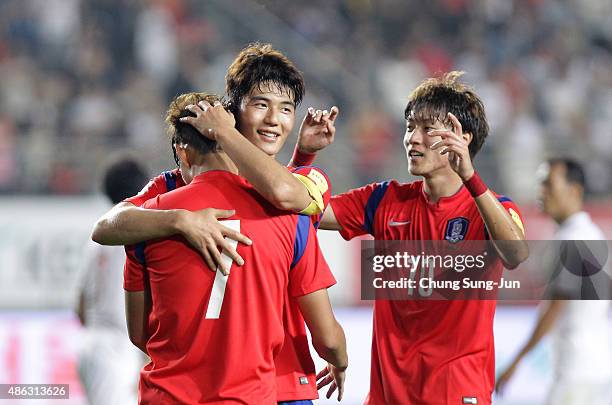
(218, 289)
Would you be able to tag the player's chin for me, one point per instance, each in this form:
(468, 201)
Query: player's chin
(416, 170)
(270, 149)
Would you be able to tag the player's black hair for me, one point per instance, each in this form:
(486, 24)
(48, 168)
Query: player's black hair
(574, 172)
(124, 177)
(436, 97)
(185, 133)
(259, 65)
(180, 132)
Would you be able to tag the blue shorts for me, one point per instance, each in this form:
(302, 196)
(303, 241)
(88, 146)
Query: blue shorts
(300, 402)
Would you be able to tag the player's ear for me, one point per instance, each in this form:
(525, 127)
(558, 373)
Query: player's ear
(468, 137)
(183, 155)
(577, 190)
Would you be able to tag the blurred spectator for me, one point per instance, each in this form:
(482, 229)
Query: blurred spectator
(100, 73)
(108, 364)
(8, 154)
(155, 42)
(374, 140)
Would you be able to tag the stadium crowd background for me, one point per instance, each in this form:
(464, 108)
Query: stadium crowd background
(80, 79)
(83, 78)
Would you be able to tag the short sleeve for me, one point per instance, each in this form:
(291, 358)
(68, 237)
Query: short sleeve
(134, 269)
(310, 271)
(136, 261)
(167, 181)
(356, 208)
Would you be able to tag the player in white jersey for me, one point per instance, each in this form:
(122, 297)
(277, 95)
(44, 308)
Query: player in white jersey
(582, 358)
(108, 364)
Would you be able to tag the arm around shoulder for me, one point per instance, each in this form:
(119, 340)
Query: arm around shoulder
(126, 224)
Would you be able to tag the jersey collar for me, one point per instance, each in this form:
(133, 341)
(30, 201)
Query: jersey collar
(212, 175)
(445, 203)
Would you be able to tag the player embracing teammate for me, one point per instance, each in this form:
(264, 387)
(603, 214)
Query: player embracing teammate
(213, 338)
(423, 352)
(264, 88)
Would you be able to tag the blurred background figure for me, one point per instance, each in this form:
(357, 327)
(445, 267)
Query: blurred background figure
(108, 364)
(582, 359)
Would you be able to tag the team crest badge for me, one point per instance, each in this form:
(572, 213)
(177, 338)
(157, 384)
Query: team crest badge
(456, 229)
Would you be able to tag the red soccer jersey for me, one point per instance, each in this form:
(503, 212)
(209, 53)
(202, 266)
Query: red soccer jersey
(424, 352)
(295, 369)
(196, 358)
(167, 181)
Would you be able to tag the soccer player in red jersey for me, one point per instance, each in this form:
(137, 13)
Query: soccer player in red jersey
(264, 88)
(434, 352)
(211, 337)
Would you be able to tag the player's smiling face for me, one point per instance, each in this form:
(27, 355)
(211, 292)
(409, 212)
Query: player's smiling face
(421, 159)
(266, 117)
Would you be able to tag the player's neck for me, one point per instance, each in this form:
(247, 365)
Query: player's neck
(214, 161)
(438, 185)
(574, 209)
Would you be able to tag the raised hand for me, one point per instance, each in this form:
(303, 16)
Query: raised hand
(456, 146)
(317, 130)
